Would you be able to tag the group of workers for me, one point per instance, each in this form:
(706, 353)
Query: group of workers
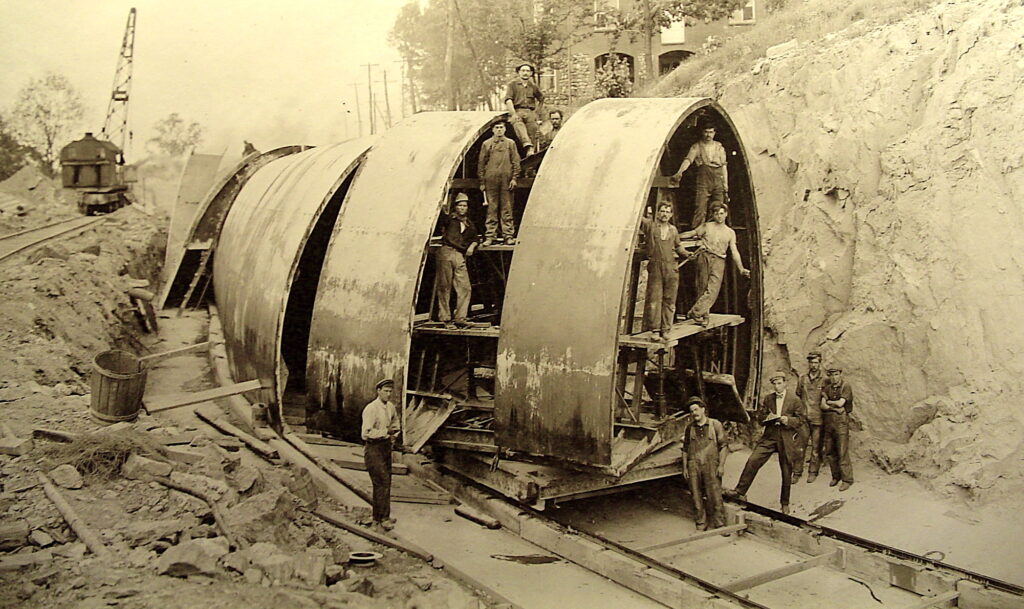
(809, 425)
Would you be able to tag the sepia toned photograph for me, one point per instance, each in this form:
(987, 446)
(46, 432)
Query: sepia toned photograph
(512, 304)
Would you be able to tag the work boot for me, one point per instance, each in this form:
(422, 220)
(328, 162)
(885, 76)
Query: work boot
(388, 523)
(701, 525)
(845, 485)
(510, 241)
(785, 508)
(796, 477)
(449, 325)
(461, 324)
(834, 482)
(487, 242)
(811, 477)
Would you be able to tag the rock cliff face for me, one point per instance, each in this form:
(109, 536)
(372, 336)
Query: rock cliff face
(888, 166)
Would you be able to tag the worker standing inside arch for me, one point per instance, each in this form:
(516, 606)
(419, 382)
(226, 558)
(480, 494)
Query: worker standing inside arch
(708, 155)
(523, 99)
(717, 241)
(498, 168)
(663, 245)
(458, 241)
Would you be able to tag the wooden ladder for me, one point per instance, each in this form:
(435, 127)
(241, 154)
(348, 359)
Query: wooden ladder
(200, 272)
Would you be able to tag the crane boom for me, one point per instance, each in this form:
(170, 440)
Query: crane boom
(115, 128)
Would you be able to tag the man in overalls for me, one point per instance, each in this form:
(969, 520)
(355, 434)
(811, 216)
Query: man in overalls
(836, 406)
(712, 173)
(705, 448)
(663, 247)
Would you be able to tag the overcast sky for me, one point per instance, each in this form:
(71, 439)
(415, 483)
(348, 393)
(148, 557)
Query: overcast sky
(272, 72)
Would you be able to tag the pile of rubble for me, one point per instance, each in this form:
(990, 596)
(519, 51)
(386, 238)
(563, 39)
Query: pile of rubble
(191, 504)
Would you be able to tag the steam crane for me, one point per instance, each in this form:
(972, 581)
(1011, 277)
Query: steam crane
(93, 167)
(115, 129)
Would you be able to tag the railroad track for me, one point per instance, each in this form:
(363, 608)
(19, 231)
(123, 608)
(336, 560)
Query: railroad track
(769, 561)
(17, 242)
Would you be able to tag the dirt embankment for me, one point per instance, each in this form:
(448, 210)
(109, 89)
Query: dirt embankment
(890, 183)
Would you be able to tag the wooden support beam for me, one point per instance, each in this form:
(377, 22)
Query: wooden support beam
(54, 435)
(177, 400)
(327, 467)
(931, 601)
(216, 419)
(339, 521)
(84, 532)
(783, 571)
(156, 357)
(732, 528)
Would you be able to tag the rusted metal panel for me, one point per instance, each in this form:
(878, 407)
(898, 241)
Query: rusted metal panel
(258, 253)
(362, 316)
(209, 216)
(559, 336)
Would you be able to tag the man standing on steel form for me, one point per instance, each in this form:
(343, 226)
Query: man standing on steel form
(380, 428)
(524, 99)
(712, 172)
(663, 246)
(458, 242)
(717, 240)
(498, 168)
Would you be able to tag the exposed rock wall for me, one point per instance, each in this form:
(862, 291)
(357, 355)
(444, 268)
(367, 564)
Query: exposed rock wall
(888, 165)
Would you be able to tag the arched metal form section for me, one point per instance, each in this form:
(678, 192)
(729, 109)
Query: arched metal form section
(208, 220)
(260, 246)
(362, 317)
(558, 353)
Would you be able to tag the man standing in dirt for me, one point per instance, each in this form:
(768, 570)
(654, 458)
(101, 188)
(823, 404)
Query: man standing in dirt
(458, 242)
(662, 270)
(781, 413)
(836, 409)
(705, 448)
(524, 99)
(716, 240)
(380, 428)
(808, 389)
(498, 168)
(712, 172)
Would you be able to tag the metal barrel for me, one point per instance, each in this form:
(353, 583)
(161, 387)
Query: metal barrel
(118, 381)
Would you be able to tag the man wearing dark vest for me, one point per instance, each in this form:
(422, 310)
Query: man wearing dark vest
(781, 413)
(809, 442)
(458, 241)
(836, 406)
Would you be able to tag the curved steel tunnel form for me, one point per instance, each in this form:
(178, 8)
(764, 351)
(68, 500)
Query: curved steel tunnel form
(560, 329)
(257, 259)
(362, 319)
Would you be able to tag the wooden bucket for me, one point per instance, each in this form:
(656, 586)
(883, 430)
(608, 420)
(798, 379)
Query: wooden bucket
(118, 381)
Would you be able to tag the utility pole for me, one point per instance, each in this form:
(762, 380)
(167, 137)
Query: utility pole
(412, 87)
(369, 88)
(449, 53)
(387, 102)
(359, 113)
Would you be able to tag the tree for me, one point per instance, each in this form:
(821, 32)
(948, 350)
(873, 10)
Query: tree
(489, 35)
(613, 77)
(13, 155)
(46, 115)
(648, 17)
(174, 136)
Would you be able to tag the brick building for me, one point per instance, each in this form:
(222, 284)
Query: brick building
(573, 84)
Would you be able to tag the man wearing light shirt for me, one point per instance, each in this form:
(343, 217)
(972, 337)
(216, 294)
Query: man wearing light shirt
(781, 413)
(380, 427)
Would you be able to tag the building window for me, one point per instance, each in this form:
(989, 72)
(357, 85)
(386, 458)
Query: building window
(550, 80)
(674, 34)
(602, 60)
(606, 15)
(670, 60)
(744, 16)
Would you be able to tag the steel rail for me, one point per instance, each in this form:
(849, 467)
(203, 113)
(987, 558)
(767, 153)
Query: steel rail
(875, 546)
(47, 232)
(648, 561)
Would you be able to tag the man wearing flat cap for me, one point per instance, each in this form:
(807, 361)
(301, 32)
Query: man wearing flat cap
(379, 429)
(781, 413)
(705, 448)
(523, 99)
(836, 406)
(458, 241)
(808, 444)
